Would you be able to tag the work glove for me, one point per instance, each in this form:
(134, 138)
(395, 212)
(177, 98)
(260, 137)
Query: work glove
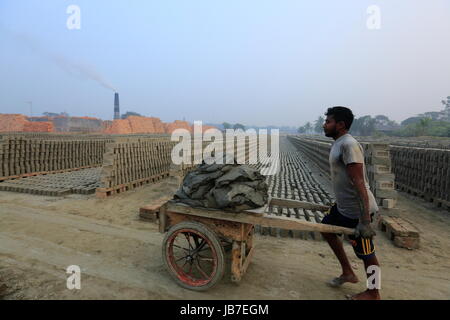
(364, 229)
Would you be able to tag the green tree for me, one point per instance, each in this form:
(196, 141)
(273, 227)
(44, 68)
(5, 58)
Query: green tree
(226, 125)
(318, 126)
(383, 120)
(363, 126)
(410, 120)
(238, 126)
(308, 127)
(446, 103)
(301, 130)
(423, 126)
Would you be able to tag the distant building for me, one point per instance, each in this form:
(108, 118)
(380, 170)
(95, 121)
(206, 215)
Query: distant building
(77, 124)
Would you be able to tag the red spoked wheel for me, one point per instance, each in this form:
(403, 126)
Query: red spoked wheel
(193, 255)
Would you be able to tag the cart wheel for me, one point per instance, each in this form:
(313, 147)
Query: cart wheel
(193, 256)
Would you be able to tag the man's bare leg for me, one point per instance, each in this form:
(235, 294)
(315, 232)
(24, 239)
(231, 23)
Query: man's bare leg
(336, 245)
(369, 294)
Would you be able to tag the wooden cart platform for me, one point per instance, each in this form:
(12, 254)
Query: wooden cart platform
(196, 238)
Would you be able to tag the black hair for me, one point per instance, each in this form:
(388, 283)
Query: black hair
(341, 114)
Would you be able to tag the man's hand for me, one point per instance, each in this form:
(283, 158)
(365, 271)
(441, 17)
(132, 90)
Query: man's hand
(364, 229)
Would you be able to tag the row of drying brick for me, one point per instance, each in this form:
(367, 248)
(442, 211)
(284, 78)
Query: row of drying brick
(84, 181)
(24, 154)
(425, 172)
(377, 161)
(77, 136)
(20, 156)
(128, 160)
(135, 159)
(294, 180)
(317, 151)
(408, 142)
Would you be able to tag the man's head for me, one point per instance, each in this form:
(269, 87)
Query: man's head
(338, 121)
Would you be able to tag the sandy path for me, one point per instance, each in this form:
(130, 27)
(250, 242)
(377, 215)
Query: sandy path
(120, 256)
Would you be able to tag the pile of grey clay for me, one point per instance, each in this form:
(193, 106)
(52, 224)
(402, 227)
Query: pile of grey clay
(230, 187)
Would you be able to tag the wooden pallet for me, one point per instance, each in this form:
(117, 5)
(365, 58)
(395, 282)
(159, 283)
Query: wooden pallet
(400, 231)
(107, 192)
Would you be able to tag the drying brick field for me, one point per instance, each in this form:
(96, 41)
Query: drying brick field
(68, 200)
(419, 167)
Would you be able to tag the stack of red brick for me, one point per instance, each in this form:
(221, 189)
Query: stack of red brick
(19, 123)
(136, 124)
(132, 124)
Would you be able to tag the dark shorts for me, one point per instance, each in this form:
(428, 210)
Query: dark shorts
(363, 247)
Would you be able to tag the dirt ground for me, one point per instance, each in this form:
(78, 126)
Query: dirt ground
(120, 256)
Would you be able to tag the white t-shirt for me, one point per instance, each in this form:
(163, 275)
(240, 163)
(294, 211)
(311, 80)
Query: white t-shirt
(346, 150)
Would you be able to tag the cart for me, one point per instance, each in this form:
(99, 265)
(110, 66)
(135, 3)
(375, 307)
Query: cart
(196, 239)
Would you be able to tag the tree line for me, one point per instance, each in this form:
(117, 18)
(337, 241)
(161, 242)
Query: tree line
(426, 124)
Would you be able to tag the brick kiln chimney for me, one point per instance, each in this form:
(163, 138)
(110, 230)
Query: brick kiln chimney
(116, 106)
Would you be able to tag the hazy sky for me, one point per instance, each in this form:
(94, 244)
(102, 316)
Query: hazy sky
(251, 61)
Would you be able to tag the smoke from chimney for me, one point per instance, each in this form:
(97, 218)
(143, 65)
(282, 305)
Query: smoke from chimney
(75, 68)
(116, 106)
